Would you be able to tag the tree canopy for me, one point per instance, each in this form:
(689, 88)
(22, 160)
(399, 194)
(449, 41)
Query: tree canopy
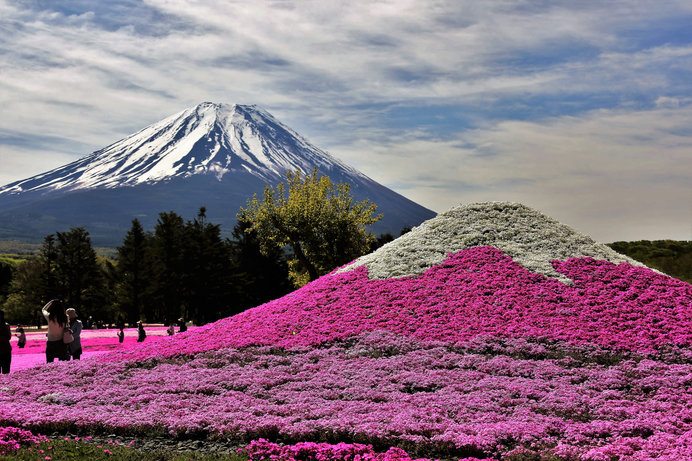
(317, 220)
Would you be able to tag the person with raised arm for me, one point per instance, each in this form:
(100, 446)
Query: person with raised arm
(54, 312)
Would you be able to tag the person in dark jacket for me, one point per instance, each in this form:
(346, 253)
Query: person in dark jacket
(75, 347)
(141, 333)
(21, 337)
(5, 347)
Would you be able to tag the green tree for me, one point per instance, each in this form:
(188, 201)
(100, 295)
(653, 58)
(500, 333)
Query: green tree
(316, 219)
(80, 278)
(6, 274)
(256, 277)
(67, 267)
(26, 296)
(207, 277)
(132, 272)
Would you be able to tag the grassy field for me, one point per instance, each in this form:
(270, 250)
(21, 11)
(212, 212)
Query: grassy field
(95, 450)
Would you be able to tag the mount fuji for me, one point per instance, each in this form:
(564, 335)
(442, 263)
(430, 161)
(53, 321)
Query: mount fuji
(212, 155)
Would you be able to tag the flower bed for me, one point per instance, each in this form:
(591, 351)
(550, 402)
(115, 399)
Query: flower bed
(476, 357)
(13, 439)
(481, 398)
(479, 291)
(262, 449)
(94, 342)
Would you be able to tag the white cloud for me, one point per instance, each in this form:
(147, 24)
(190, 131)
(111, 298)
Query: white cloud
(616, 175)
(336, 72)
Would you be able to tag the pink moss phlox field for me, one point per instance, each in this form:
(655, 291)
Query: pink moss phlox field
(92, 340)
(478, 291)
(13, 439)
(484, 398)
(262, 449)
(477, 357)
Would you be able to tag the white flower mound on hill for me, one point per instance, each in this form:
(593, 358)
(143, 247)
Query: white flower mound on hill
(529, 237)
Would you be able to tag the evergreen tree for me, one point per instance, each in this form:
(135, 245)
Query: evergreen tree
(48, 255)
(167, 269)
(78, 274)
(257, 277)
(207, 279)
(132, 273)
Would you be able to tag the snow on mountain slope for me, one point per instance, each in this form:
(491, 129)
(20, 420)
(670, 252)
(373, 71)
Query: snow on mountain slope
(212, 139)
(211, 155)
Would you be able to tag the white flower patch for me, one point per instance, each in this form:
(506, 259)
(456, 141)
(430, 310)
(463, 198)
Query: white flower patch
(54, 397)
(531, 238)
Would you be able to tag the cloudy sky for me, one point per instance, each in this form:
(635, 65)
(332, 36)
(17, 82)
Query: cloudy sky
(581, 109)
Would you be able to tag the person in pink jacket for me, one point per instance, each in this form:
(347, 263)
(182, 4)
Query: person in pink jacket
(54, 312)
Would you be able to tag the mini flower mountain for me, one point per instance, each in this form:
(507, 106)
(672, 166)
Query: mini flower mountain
(490, 331)
(213, 155)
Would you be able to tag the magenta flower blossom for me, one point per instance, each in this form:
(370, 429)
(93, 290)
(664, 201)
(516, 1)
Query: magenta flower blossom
(477, 357)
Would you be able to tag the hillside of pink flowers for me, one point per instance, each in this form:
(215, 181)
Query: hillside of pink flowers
(479, 291)
(476, 357)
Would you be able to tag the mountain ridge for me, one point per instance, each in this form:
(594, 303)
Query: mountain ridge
(213, 155)
(171, 147)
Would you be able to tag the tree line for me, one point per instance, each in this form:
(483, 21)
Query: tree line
(672, 257)
(180, 269)
(295, 233)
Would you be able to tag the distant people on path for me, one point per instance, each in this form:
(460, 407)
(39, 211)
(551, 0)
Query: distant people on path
(54, 312)
(75, 347)
(5, 347)
(170, 330)
(121, 335)
(182, 325)
(89, 323)
(141, 333)
(21, 337)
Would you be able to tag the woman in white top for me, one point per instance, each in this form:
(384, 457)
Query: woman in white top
(54, 312)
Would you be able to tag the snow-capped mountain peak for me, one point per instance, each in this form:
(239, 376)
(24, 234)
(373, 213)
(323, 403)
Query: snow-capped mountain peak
(210, 139)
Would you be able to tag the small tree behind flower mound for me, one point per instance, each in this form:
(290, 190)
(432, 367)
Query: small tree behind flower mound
(480, 355)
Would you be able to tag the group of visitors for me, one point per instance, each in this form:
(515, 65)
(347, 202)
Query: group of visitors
(63, 337)
(181, 325)
(64, 334)
(64, 331)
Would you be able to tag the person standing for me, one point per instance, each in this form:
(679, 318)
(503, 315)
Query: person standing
(141, 334)
(75, 347)
(182, 325)
(21, 337)
(54, 312)
(5, 347)
(121, 335)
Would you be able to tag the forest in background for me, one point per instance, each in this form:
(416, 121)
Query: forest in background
(671, 257)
